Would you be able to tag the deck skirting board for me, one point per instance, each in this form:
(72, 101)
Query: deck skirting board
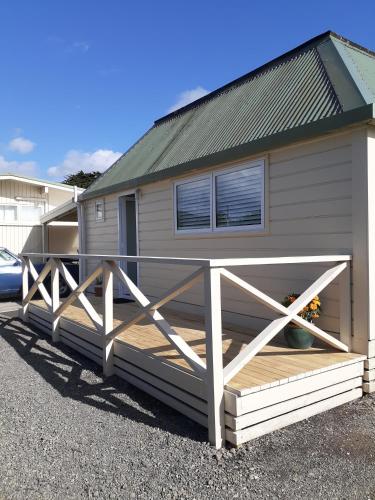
(156, 366)
(242, 436)
(162, 396)
(163, 385)
(76, 339)
(73, 340)
(240, 405)
(81, 350)
(370, 364)
(40, 323)
(369, 387)
(255, 417)
(369, 375)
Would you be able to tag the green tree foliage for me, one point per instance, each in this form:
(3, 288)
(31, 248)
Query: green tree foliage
(81, 179)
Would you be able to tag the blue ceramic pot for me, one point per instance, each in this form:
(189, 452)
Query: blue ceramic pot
(298, 338)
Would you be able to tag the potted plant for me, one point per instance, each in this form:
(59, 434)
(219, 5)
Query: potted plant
(99, 287)
(295, 336)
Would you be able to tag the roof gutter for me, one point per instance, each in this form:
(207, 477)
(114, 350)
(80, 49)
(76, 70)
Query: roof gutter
(362, 114)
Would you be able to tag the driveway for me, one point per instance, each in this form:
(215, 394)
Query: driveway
(7, 306)
(67, 433)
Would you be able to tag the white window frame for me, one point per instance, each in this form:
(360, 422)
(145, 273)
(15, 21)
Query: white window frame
(19, 220)
(10, 222)
(41, 203)
(212, 176)
(99, 202)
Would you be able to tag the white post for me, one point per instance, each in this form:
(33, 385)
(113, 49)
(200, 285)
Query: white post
(81, 240)
(346, 306)
(214, 358)
(108, 344)
(55, 297)
(25, 288)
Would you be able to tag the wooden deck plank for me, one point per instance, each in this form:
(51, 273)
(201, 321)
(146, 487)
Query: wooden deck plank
(273, 365)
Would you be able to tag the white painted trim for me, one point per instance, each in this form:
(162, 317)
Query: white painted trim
(58, 211)
(239, 437)
(81, 239)
(252, 261)
(214, 358)
(121, 244)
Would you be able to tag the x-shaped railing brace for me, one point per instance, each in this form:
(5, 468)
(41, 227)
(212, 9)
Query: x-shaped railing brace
(150, 310)
(290, 314)
(38, 282)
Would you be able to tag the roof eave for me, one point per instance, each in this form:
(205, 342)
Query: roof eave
(38, 182)
(362, 114)
(59, 211)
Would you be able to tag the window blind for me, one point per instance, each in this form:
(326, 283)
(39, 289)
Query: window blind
(193, 203)
(238, 196)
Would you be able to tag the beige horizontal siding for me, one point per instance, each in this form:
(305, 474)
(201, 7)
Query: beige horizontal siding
(310, 212)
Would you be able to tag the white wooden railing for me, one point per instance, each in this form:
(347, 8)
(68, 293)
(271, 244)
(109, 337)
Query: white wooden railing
(213, 373)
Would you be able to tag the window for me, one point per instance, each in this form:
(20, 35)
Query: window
(99, 210)
(194, 204)
(239, 198)
(30, 213)
(8, 213)
(27, 212)
(224, 200)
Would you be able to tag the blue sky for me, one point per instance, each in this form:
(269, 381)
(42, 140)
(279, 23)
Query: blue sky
(83, 79)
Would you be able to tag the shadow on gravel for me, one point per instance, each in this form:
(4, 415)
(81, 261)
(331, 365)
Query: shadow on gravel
(62, 367)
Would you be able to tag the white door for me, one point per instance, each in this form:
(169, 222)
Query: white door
(128, 239)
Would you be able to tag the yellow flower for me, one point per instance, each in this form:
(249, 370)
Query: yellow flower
(313, 307)
(316, 298)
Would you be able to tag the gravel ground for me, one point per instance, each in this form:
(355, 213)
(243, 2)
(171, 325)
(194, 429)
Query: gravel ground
(67, 433)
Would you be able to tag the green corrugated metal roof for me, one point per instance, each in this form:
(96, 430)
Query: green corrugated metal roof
(320, 79)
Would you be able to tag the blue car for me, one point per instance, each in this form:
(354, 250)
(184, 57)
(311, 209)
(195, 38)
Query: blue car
(11, 275)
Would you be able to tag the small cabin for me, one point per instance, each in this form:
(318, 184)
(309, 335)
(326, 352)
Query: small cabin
(265, 188)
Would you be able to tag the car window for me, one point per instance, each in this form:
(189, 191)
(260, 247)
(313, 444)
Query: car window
(6, 257)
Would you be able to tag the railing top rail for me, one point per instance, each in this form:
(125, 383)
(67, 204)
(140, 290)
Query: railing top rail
(241, 261)
(259, 261)
(132, 258)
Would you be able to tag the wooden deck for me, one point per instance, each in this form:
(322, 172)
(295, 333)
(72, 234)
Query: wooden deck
(263, 385)
(274, 365)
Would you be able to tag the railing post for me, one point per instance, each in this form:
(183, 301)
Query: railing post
(346, 306)
(214, 357)
(108, 344)
(55, 298)
(25, 288)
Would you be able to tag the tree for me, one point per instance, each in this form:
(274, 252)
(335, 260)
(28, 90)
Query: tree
(81, 179)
